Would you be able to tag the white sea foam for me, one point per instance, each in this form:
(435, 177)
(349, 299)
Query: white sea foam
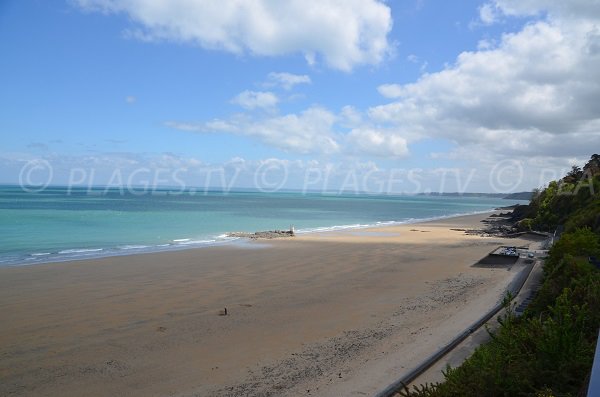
(332, 228)
(133, 247)
(385, 223)
(80, 250)
(192, 242)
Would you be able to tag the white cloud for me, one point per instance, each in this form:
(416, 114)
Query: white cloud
(486, 44)
(345, 33)
(256, 99)
(350, 117)
(488, 14)
(558, 8)
(390, 90)
(130, 99)
(310, 131)
(377, 143)
(534, 93)
(313, 131)
(288, 80)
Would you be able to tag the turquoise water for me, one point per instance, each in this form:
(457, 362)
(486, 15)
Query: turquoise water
(60, 224)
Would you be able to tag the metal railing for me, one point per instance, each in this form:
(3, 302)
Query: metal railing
(594, 386)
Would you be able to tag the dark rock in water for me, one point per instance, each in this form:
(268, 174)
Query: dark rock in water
(270, 234)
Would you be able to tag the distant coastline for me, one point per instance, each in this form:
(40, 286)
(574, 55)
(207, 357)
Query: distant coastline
(505, 196)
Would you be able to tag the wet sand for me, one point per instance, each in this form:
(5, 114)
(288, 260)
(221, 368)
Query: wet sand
(341, 313)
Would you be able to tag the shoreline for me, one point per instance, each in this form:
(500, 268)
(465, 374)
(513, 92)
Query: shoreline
(334, 313)
(225, 239)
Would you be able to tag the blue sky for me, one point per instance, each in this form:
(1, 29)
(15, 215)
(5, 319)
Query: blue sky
(497, 93)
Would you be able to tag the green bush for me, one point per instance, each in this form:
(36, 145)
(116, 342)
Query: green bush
(525, 224)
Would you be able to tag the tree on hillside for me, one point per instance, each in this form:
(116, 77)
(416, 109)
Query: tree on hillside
(593, 166)
(574, 175)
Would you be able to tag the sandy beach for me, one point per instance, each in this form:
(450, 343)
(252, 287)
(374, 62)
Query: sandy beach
(329, 314)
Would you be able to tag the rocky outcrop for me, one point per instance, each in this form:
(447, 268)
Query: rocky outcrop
(269, 234)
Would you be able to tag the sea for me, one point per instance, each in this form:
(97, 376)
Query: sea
(61, 224)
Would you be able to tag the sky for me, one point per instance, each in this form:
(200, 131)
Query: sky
(401, 96)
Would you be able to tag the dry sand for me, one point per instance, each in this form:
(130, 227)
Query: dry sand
(332, 314)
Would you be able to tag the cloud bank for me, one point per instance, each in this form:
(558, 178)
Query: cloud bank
(536, 92)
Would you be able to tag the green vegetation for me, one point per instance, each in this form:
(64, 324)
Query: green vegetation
(573, 201)
(549, 350)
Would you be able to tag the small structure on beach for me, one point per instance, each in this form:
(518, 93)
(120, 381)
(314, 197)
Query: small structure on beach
(501, 256)
(505, 251)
